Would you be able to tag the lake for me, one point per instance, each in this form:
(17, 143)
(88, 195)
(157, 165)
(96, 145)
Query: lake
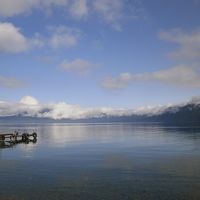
(102, 162)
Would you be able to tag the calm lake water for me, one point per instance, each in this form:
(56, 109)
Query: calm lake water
(102, 162)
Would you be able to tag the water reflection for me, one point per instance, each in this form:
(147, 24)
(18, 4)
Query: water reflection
(11, 144)
(103, 161)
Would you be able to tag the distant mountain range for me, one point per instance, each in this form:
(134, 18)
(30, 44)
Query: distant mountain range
(183, 113)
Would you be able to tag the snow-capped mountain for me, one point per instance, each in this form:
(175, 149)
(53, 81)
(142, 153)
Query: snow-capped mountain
(29, 109)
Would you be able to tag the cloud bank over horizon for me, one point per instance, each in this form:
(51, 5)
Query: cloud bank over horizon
(30, 107)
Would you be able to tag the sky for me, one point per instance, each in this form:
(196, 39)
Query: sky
(92, 53)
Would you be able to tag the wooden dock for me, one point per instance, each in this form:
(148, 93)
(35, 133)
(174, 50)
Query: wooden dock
(17, 137)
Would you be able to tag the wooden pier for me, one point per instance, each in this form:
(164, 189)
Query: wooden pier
(17, 137)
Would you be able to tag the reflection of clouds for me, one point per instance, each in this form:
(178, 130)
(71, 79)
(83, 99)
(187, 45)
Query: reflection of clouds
(65, 134)
(28, 147)
(144, 141)
(152, 136)
(62, 135)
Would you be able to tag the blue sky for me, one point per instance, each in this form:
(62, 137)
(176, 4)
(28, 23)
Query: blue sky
(116, 53)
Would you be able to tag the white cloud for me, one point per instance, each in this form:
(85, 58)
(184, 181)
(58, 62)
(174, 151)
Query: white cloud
(37, 41)
(11, 39)
(188, 76)
(80, 66)
(58, 37)
(111, 12)
(9, 8)
(79, 9)
(76, 8)
(29, 106)
(185, 76)
(63, 36)
(180, 75)
(114, 12)
(28, 100)
(188, 42)
(11, 83)
(117, 83)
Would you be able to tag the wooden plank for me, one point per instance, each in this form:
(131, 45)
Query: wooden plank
(7, 134)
